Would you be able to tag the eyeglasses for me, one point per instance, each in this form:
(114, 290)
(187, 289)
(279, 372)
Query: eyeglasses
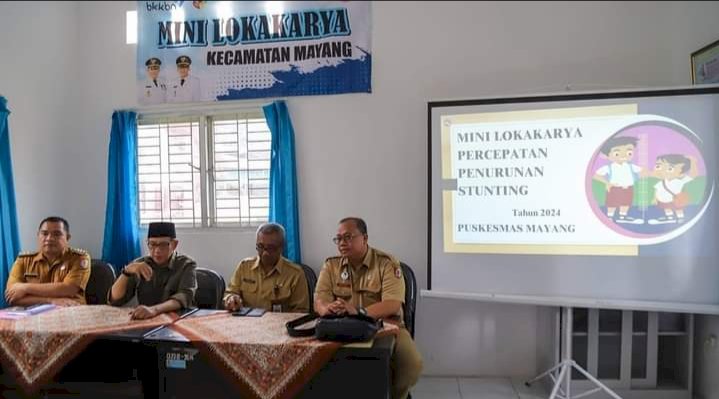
(269, 248)
(346, 238)
(158, 245)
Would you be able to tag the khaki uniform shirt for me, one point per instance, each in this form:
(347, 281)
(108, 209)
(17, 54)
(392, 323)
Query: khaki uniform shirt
(176, 281)
(73, 266)
(378, 279)
(283, 289)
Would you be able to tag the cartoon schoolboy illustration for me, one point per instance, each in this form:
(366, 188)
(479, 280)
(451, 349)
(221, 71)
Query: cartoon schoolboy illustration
(619, 177)
(668, 194)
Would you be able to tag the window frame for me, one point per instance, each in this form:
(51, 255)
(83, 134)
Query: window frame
(205, 116)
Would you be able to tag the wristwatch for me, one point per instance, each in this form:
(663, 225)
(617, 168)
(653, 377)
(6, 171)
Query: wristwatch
(126, 273)
(362, 311)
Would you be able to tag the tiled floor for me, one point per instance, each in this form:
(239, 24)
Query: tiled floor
(475, 388)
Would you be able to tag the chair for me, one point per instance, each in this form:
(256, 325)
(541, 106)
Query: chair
(210, 287)
(102, 276)
(410, 297)
(311, 283)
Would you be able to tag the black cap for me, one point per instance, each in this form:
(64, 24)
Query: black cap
(153, 62)
(161, 229)
(183, 60)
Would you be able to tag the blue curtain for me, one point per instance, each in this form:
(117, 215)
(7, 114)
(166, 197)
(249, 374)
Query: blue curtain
(122, 241)
(9, 236)
(283, 177)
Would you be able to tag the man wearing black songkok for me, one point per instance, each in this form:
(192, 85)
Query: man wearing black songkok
(163, 281)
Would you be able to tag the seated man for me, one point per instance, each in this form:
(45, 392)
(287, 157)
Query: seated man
(368, 281)
(268, 280)
(164, 281)
(55, 274)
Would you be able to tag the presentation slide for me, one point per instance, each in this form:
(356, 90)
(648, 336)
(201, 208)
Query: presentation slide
(607, 196)
(600, 180)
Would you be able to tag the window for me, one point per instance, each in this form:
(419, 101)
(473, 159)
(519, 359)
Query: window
(131, 27)
(204, 171)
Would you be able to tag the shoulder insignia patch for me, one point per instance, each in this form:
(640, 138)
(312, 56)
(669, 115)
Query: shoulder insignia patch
(78, 251)
(84, 264)
(385, 255)
(398, 272)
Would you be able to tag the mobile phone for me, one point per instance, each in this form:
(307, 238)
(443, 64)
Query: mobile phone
(241, 312)
(256, 312)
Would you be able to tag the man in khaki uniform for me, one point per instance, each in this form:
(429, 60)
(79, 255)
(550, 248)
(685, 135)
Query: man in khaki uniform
(368, 281)
(54, 274)
(269, 280)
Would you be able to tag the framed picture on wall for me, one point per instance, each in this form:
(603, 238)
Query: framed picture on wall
(705, 64)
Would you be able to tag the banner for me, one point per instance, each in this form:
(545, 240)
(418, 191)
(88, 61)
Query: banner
(191, 51)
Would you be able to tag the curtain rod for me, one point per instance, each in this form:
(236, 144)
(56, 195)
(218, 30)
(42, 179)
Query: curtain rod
(164, 109)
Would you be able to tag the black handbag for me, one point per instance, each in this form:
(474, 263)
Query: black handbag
(347, 328)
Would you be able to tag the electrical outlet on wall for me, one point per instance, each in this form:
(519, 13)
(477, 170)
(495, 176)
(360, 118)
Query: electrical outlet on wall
(710, 342)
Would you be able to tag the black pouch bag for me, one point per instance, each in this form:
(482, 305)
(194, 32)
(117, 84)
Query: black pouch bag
(355, 328)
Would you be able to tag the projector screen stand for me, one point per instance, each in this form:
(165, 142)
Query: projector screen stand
(561, 374)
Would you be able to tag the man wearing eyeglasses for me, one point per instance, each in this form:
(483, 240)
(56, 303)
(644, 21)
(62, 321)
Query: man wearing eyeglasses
(268, 280)
(368, 281)
(164, 281)
(56, 273)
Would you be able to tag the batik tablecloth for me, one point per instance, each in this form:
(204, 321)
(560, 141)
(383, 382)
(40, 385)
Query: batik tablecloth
(257, 354)
(35, 348)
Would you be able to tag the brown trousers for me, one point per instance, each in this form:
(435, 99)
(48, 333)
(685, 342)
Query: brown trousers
(406, 365)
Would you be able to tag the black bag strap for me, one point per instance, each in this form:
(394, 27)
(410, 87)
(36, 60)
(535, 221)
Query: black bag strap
(664, 183)
(292, 325)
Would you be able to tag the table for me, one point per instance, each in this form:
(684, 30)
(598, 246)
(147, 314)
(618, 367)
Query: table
(34, 349)
(194, 361)
(210, 354)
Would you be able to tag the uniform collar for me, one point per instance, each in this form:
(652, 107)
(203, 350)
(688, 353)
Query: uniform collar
(366, 261)
(40, 257)
(278, 267)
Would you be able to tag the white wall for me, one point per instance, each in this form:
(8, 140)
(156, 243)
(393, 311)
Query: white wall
(358, 154)
(40, 77)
